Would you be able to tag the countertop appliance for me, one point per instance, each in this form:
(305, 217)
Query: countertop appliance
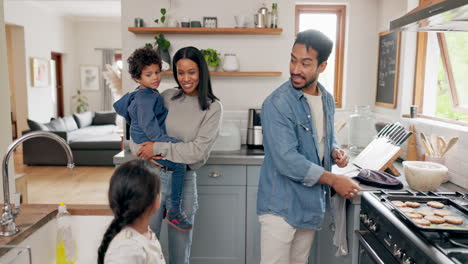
(386, 236)
(254, 129)
(448, 15)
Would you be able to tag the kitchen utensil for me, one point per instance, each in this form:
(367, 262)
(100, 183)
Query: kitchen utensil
(450, 144)
(412, 152)
(426, 145)
(261, 17)
(441, 145)
(339, 125)
(434, 145)
(424, 175)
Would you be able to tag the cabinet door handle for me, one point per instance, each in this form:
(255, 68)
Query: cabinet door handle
(214, 174)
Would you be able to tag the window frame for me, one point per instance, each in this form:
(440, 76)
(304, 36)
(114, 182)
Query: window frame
(419, 74)
(340, 11)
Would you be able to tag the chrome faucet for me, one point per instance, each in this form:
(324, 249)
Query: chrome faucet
(7, 220)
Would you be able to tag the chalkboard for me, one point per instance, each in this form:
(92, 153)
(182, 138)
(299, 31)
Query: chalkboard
(387, 70)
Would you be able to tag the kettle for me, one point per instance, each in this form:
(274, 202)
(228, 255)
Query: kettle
(254, 129)
(261, 17)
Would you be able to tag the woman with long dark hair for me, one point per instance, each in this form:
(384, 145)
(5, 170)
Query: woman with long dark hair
(194, 117)
(133, 197)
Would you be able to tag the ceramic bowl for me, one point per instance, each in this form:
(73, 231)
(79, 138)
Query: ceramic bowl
(424, 175)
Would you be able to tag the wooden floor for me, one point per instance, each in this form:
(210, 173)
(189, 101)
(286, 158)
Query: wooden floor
(55, 184)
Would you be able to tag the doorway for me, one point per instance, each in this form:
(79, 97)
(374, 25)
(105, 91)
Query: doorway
(57, 58)
(16, 62)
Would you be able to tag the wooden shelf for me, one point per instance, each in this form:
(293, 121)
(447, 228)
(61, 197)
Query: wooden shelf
(201, 30)
(236, 73)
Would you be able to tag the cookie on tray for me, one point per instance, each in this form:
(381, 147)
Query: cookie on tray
(435, 204)
(414, 215)
(441, 212)
(407, 210)
(446, 225)
(425, 212)
(422, 222)
(399, 203)
(412, 204)
(435, 219)
(455, 220)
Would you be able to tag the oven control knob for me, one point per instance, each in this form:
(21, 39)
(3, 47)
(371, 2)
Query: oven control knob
(368, 221)
(407, 260)
(363, 217)
(396, 251)
(373, 227)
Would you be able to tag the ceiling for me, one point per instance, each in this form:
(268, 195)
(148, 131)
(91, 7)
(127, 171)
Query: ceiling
(79, 8)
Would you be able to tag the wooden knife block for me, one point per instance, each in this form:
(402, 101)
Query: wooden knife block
(388, 167)
(365, 158)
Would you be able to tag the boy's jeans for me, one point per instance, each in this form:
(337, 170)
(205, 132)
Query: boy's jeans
(177, 182)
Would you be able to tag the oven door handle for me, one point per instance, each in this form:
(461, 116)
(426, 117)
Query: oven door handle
(367, 247)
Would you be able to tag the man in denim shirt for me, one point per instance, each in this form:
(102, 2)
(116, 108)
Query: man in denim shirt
(300, 148)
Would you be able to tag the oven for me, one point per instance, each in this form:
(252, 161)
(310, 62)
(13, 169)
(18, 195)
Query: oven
(370, 250)
(386, 238)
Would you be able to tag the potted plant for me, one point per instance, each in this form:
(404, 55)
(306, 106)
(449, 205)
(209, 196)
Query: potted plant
(211, 57)
(162, 19)
(162, 48)
(82, 102)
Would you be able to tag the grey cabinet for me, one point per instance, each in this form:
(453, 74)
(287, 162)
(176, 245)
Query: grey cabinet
(252, 224)
(219, 229)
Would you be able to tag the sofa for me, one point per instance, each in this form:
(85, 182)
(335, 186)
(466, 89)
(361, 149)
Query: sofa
(92, 137)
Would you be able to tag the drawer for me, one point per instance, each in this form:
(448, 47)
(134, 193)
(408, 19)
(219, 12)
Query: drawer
(253, 175)
(222, 175)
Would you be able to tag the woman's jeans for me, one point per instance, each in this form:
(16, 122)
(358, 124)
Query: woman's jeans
(177, 183)
(179, 242)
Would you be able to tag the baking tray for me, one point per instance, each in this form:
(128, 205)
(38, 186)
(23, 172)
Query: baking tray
(454, 208)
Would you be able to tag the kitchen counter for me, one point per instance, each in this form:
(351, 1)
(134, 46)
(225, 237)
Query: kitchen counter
(244, 156)
(33, 216)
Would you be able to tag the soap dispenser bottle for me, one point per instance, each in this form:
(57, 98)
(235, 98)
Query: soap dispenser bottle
(66, 246)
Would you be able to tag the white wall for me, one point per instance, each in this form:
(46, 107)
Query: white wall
(260, 53)
(5, 122)
(44, 33)
(47, 32)
(87, 36)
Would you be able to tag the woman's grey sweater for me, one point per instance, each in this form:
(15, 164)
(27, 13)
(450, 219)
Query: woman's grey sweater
(196, 128)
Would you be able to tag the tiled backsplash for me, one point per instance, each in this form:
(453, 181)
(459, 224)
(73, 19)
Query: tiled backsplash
(457, 157)
(239, 117)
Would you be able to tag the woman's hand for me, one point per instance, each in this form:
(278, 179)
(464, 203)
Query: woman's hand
(146, 150)
(154, 158)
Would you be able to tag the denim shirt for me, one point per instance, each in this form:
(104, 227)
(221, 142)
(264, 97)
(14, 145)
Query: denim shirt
(144, 110)
(291, 168)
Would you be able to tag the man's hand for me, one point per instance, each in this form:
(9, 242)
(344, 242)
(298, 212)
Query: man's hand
(345, 186)
(146, 150)
(340, 158)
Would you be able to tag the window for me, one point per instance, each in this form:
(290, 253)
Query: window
(330, 19)
(441, 86)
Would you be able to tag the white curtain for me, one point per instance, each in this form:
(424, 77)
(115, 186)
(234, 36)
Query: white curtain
(107, 101)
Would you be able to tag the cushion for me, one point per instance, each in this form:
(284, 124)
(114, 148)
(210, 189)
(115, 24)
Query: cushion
(83, 119)
(70, 123)
(35, 126)
(104, 118)
(56, 124)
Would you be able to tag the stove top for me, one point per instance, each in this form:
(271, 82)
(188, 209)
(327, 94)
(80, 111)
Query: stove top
(407, 243)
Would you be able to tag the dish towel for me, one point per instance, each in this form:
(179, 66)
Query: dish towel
(339, 237)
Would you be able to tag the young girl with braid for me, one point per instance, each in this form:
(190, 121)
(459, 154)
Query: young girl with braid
(133, 197)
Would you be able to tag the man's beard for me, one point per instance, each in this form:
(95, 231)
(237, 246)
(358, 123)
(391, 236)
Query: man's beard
(307, 84)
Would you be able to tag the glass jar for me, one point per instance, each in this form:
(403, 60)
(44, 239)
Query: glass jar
(230, 62)
(361, 129)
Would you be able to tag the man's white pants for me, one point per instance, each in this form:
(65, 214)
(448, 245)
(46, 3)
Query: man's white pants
(283, 244)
